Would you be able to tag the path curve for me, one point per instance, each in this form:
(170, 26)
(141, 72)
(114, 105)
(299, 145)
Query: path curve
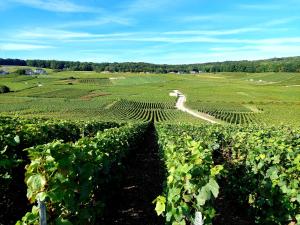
(180, 106)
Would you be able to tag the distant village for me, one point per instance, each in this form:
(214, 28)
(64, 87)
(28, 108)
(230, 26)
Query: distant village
(37, 71)
(170, 72)
(190, 72)
(40, 71)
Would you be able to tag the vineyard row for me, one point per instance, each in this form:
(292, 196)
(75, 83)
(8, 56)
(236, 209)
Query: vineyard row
(258, 165)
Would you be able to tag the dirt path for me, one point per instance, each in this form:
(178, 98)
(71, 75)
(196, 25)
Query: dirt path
(295, 85)
(180, 106)
(253, 108)
(110, 105)
(142, 183)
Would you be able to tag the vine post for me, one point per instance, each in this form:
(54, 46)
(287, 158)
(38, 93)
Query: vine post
(42, 212)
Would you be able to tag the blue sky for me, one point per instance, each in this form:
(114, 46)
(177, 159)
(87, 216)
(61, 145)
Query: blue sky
(156, 31)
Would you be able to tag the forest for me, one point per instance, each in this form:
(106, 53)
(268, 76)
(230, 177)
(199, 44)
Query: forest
(289, 64)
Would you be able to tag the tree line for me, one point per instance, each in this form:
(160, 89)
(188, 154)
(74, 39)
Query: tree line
(289, 64)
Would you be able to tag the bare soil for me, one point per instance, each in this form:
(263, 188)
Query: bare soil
(131, 202)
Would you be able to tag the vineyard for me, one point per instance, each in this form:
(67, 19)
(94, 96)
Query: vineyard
(95, 81)
(114, 148)
(130, 110)
(145, 97)
(213, 174)
(18, 134)
(230, 112)
(253, 167)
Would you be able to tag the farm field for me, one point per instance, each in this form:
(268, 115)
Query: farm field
(149, 112)
(271, 98)
(112, 148)
(121, 173)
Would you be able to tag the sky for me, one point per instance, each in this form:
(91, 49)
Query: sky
(154, 31)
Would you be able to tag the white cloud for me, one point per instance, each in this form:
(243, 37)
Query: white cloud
(270, 48)
(56, 5)
(204, 18)
(263, 52)
(225, 17)
(284, 40)
(187, 39)
(40, 33)
(98, 21)
(280, 21)
(58, 34)
(21, 47)
(264, 6)
(154, 37)
(172, 37)
(214, 32)
(139, 6)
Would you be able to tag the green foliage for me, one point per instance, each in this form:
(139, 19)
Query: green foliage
(261, 166)
(230, 113)
(191, 178)
(270, 177)
(71, 178)
(72, 173)
(290, 64)
(21, 71)
(17, 134)
(227, 95)
(30, 217)
(4, 89)
(143, 111)
(11, 62)
(97, 81)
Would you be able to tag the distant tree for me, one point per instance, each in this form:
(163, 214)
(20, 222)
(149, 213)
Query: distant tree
(4, 89)
(12, 62)
(21, 72)
(290, 64)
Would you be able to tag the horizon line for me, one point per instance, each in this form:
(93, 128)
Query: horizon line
(121, 62)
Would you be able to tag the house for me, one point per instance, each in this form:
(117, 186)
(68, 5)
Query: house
(29, 72)
(39, 71)
(2, 72)
(105, 72)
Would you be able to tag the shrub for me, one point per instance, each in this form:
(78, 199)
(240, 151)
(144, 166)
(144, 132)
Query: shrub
(21, 72)
(4, 89)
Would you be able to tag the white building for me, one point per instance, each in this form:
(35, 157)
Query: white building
(3, 72)
(29, 72)
(39, 71)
